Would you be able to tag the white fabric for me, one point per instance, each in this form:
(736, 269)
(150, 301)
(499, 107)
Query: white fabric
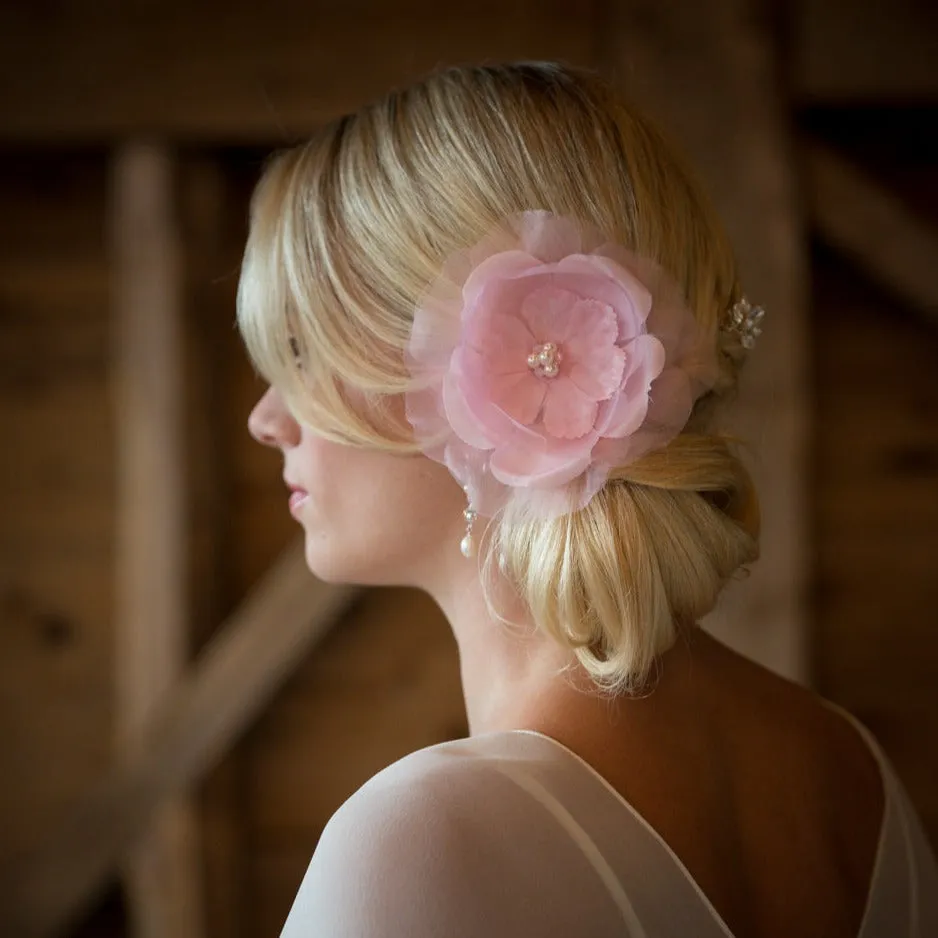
(511, 834)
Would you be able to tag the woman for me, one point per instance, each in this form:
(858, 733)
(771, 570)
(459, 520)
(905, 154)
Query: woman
(497, 317)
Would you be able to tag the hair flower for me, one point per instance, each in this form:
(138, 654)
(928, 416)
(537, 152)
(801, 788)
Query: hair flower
(544, 355)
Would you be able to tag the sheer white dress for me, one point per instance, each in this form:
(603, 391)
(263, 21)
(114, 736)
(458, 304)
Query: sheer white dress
(512, 835)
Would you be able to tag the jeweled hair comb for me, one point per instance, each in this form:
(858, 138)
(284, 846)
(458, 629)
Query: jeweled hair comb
(746, 321)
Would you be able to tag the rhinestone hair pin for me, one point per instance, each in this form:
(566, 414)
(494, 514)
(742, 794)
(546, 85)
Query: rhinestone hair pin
(746, 321)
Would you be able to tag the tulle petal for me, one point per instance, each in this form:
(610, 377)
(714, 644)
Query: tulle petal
(465, 422)
(644, 362)
(602, 379)
(568, 412)
(520, 395)
(550, 465)
(506, 266)
(627, 295)
(549, 237)
(550, 313)
(503, 341)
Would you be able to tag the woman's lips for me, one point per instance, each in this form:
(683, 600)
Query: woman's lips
(297, 497)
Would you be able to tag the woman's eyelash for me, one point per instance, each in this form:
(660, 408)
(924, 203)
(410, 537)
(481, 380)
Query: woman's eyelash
(295, 347)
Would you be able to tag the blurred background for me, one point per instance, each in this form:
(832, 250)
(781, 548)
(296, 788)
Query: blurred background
(182, 707)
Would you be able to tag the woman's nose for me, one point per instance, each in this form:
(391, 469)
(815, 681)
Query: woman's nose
(271, 423)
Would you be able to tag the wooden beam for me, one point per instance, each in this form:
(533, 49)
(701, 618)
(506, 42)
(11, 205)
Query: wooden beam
(245, 72)
(709, 76)
(863, 51)
(162, 875)
(855, 214)
(213, 242)
(263, 641)
(218, 71)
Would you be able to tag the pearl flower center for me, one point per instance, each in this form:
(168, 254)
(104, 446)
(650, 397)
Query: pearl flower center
(544, 360)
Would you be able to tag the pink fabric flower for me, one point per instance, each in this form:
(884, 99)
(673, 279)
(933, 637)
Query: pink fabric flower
(544, 355)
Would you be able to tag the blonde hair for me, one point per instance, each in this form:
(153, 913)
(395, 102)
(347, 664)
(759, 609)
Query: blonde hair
(349, 228)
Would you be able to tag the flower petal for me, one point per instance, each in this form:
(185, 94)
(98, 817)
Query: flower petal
(502, 340)
(435, 330)
(469, 467)
(596, 364)
(465, 423)
(555, 463)
(548, 236)
(549, 313)
(596, 325)
(601, 377)
(669, 403)
(506, 265)
(625, 413)
(669, 407)
(520, 395)
(568, 412)
(596, 265)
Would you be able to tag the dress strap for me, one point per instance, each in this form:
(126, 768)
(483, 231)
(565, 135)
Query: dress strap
(867, 734)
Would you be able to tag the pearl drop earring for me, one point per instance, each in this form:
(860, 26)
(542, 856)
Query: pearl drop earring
(466, 545)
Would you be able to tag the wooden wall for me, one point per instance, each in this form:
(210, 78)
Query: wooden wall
(386, 682)
(56, 488)
(875, 467)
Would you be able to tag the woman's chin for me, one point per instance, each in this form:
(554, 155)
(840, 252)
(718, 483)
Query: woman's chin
(327, 562)
(324, 562)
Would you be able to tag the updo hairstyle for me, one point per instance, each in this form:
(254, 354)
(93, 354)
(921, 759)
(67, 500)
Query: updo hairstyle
(348, 229)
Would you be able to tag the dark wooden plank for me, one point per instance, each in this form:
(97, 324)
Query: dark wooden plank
(213, 242)
(860, 51)
(243, 71)
(862, 218)
(162, 872)
(875, 518)
(72, 71)
(56, 491)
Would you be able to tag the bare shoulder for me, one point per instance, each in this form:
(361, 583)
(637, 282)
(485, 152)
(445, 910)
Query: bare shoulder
(806, 730)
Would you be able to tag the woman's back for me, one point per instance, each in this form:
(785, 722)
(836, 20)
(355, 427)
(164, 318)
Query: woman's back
(783, 818)
(773, 802)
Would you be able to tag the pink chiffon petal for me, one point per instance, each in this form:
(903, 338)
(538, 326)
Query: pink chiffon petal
(423, 409)
(548, 236)
(464, 421)
(594, 264)
(556, 464)
(503, 341)
(505, 266)
(600, 377)
(666, 415)
(613, 451)
(568, 412)
(597, 328)
(624, 414)
(631, 301)
(669, 404)
(434, 334)
(469, 467)
(520, 395)
(592, 352)
(549, 313)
